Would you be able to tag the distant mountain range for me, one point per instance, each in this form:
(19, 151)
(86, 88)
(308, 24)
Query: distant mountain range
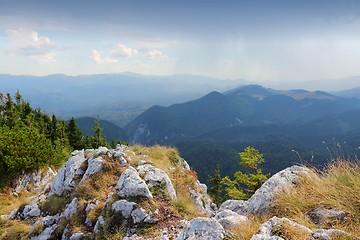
(242, 107)
(215, 128)
(116, 97)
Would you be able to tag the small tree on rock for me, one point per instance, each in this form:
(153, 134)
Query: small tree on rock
(245, 184)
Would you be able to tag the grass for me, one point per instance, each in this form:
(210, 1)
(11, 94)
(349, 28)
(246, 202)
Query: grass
(337, 187)
(245, 230)
(290, 232)
(9, 202)
(54, 204)
(14, 230)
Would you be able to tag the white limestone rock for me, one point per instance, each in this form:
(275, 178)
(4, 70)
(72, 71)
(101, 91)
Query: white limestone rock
(233, 205)
(35, 179)
(71, 208)
(140, 215)
(202, 199)
(131, 185)
(124, 207)
(328, 234)
(94, 165)
(229, 219)
(156, 177)
(50, 220)
(31, 210)
(99, 223)
(264, 197)
(322, 215)
(65, 179)
(203, 229)
(121, 157)
(77, 236)
(100, 151)
(46, 233)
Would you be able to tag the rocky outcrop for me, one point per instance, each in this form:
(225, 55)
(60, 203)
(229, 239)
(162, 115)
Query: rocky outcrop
(71, 208)
(66, 177)
(124, 207)
(203, 229)
(36, 180)
(273, 229)
(229, 219)
(325, 216)
(155, 177)
(202, 199)
(94, 165)
(105, 191)
(130, 184)
(264, 197)
(31, 211)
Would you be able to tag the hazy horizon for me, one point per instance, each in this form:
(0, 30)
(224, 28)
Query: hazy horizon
(280, 42)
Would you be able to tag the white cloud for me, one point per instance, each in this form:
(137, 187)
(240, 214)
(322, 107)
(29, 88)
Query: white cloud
(157, 55)
(26, 42)
(45, 58)
(96, 57)
(123, 51)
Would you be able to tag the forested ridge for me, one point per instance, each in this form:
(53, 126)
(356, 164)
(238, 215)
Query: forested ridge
(31, 139)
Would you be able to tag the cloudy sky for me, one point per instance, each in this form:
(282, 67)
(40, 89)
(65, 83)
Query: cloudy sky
(253, 40)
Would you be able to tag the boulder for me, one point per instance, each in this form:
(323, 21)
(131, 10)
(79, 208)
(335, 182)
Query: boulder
(50, 220)
(131, 185)
(100, 151)
(326, 216)
(264, 197)
(124, 207)
(233, 205)
(94, 165)
(36, 179)
(71, 208)
(31, 211)
(121, 157)
(203, 229)
(77, 236)
(140, 215)
(46, 233)
(201, 199)
(65, 179)
(229, 219)
(99, 223)
(328, 234)
(156, 177)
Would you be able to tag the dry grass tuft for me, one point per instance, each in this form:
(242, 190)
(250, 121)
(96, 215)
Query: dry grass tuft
(14, 230)
(337, 187)
(245, 230)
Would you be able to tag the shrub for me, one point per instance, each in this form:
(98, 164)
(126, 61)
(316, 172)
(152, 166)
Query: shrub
(54, 204)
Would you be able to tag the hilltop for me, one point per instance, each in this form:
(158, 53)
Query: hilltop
(151, 193)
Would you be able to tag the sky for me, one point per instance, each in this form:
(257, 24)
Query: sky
(269, 40)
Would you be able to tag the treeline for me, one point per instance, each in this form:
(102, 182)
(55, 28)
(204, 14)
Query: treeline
(31, 139)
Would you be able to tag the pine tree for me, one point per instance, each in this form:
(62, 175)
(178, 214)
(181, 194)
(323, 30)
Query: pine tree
(245, 184)
(216, 186)
(74, 135)
(98, 139)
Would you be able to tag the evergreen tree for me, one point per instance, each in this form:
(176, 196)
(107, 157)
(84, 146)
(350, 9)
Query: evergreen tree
(75, 135)
(245, 184)
(216, 186)
(98, 139)
(54, 128)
